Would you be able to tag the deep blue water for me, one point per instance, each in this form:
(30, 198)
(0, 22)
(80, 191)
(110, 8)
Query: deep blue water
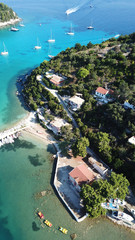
(25, 168)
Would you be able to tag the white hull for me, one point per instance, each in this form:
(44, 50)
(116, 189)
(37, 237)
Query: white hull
(21, 25)
(90, 27)
(50, 56)
(14, 29)
(70, 33)
(51, 40)
(4, 53)
(71, 10)
(37, 47)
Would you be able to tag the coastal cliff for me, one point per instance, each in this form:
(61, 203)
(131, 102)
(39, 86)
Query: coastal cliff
(7, 16)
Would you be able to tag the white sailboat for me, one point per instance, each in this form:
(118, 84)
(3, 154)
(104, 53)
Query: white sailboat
(38, 46)
(71, 32)
(5, 52)
(90, 27)
(51, 40)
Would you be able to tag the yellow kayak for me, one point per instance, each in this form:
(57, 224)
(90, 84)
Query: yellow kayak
(49, 224)
(63, 230)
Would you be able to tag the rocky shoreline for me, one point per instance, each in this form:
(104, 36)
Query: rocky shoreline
(11, 22)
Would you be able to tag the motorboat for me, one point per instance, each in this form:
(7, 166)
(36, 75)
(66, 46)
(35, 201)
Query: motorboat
(14, 29)
(90, 27)
(122, 216)
(63, 230)
(40, 215)
(72, 10)
(51, 56)
(49, 224)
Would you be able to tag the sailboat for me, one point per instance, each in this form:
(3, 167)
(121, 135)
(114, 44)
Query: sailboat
(71, 32)
(51, 39)
(90, 27)
(5, 52)
(38, 46)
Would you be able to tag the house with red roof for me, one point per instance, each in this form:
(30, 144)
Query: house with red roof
(81, 175)
(101, 92)
(104, 95)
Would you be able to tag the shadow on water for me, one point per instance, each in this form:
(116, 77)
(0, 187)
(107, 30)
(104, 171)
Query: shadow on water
(51, 149)
(36, 160)
(4, 232)
(17, 145)
(35, 227)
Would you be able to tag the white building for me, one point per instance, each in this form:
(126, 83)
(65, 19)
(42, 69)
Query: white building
(132, 140)
(98, 166)
(75, 102)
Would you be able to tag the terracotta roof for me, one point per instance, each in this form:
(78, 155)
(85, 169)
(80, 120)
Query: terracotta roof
(102, 90)
(82, 174)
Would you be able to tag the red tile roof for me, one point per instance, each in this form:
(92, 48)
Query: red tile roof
(82, 174)
(102, 90)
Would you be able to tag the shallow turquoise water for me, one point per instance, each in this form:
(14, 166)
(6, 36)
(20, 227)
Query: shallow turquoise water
(51, 15)
(20, 178)
(26, 170)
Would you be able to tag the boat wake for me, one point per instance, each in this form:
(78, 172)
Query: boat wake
(72, 10)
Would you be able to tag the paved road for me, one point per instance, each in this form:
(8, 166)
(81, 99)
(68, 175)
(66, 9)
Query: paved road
(55, 94)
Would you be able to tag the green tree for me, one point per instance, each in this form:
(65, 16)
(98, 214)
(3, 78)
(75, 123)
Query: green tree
(79, 147)
(82, 73)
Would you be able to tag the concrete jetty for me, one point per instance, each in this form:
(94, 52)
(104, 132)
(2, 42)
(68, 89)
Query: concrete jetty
(9, 135)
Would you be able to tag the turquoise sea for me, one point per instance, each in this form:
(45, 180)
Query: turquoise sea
(25, 167)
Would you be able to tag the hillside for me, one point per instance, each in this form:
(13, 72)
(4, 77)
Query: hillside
(108, 126)
(6, 13)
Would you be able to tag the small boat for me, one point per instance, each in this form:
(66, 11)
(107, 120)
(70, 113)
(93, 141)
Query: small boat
(133, 212)
(14, 29)
(63, 230)
(5, 52)
(40, 215)
(51, 40)
(90, 27)
(38, 46)
(122, 216)
(71, 32)
(21, 25)
(72, 10)
(51, 56)
(49, 224)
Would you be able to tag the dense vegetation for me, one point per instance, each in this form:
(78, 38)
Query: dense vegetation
(107, 127)
(6, 13)
(102, 191)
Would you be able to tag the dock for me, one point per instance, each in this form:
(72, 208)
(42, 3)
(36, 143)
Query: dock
(9, 135)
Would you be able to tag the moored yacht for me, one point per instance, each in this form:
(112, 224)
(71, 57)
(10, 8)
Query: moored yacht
(5, 52)
(51, 40)
(90, 27)
(38, 46)
(122, 216)
(14, 29)
(71, 32)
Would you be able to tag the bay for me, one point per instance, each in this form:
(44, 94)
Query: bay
(25, 167)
